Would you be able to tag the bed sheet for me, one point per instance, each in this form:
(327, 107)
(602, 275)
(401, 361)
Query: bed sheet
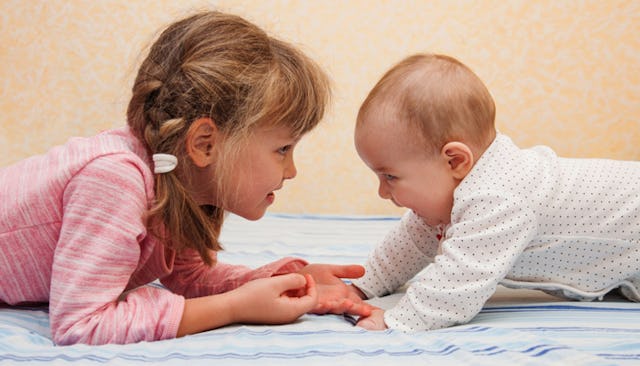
(521, 327)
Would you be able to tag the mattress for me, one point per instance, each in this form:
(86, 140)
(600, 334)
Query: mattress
(522, 327)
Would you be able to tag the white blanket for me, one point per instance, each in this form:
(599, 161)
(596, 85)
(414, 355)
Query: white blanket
(516, 327)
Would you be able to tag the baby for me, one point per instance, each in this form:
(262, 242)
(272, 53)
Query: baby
(482, 211)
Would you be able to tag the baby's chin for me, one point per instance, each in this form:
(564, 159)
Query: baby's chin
(429, 222)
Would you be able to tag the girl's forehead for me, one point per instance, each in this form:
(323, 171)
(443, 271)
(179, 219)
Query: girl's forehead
(275, 131)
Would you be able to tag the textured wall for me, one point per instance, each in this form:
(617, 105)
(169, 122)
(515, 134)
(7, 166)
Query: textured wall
(564, 74)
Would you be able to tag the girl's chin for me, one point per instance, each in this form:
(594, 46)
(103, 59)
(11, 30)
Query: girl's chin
(259, 210)
(252, 216)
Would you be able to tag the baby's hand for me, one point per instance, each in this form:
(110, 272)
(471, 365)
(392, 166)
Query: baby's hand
(375, 321)
(334, 296)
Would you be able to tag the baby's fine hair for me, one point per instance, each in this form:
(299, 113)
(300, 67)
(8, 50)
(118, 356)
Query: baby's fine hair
(218, 66)
(439, 98)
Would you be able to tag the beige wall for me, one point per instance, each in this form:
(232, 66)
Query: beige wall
(563, 73)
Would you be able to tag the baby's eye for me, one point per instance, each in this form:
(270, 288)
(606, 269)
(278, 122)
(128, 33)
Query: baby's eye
(389, 177)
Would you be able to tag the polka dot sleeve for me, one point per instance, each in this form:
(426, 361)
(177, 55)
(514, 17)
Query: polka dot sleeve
(488, 234)
(405, 250)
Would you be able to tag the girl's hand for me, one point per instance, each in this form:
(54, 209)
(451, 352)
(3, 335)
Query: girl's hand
(375, 321)
(334, 296)
(272, 300)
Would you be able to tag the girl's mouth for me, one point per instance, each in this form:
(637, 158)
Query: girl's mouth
(271, 197)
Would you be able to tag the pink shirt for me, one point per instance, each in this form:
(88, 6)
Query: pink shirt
(71, 233)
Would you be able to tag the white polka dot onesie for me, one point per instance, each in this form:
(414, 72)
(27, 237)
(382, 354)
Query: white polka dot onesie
(523, 218)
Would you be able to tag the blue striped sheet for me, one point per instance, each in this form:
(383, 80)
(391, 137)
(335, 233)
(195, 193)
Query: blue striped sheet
(512, 329)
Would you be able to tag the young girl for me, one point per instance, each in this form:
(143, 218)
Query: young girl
(217, 109)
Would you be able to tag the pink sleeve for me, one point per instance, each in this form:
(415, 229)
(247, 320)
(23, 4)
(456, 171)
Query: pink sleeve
(192, 278)
(96, 254)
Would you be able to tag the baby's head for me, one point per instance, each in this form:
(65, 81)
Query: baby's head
(212, 83)
(421, 129)
(437, 98)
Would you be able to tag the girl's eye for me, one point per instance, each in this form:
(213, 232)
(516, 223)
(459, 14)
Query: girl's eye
(283, 150)
(388, 177)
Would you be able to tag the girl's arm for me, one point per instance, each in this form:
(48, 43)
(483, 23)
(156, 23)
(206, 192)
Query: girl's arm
(191, 277)
(262, 301)
(96, 254)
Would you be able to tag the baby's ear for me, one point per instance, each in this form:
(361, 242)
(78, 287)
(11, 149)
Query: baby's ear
(200, 142)
(460, 158)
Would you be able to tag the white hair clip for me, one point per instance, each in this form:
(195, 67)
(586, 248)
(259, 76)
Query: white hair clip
(164, 163)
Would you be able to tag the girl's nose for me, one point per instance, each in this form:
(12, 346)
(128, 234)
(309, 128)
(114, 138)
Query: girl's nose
(290, 170)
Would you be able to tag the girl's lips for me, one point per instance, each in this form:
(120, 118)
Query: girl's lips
(271, 197)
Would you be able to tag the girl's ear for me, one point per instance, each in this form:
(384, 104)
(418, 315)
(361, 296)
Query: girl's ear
(460, 158)
(200, 142)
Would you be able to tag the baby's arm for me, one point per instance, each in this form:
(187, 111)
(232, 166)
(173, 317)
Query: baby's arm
(337, 297)
(261, 301)
(406, 250)
(489, 232)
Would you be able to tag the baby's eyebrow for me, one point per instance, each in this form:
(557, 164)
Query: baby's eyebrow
(381, 169)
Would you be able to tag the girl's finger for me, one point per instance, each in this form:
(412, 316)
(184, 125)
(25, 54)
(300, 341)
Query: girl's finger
(290, 282)
(311, 287)
(347, 270)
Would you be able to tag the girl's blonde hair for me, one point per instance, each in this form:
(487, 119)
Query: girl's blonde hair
(439, 98)
(222, 67)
